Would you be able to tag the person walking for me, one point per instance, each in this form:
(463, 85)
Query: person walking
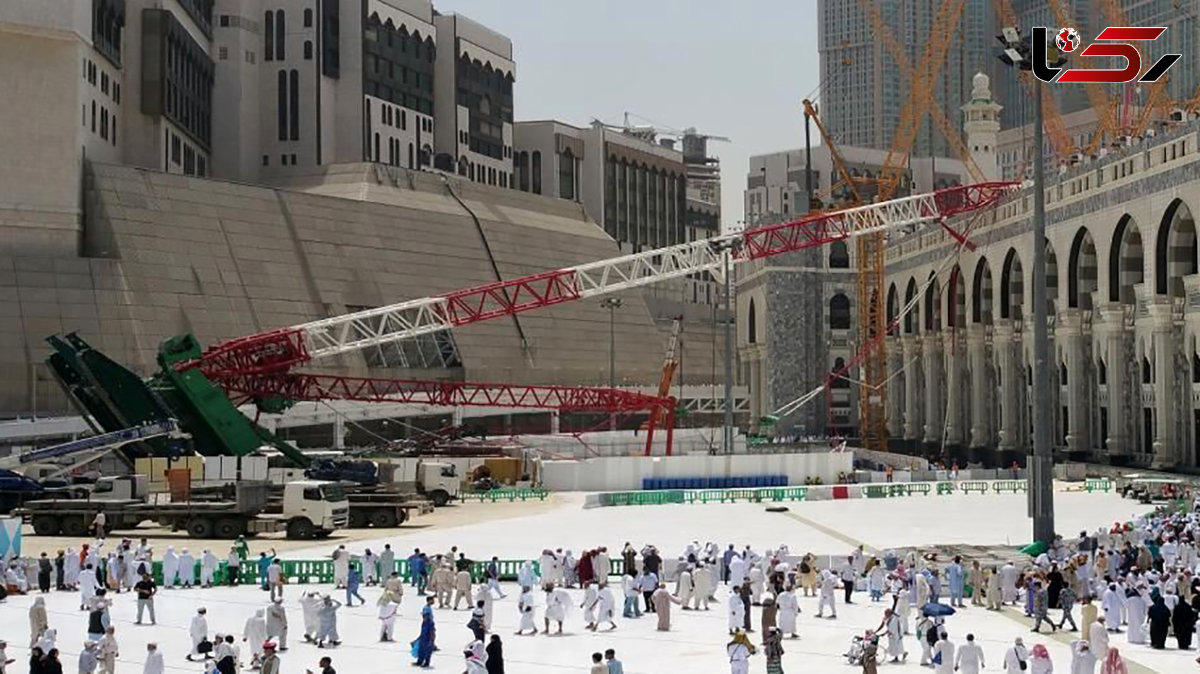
(276, 579)
(154, 660)
(145, 589)
(970, 657)
(773, 649)
(495, 655)
(1041, 606)
(198, 631)
(739, 651)
(327, 632)
(423, 646)
(353, 580)
(233, 567)
(612, 663)
(387, 617)
(1066, 601)
(277, 624)
(109, 652)
(270, 660)
(1016, 658)
(38, 622)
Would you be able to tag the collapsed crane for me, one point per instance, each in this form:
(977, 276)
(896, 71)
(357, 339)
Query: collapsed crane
(262, 368)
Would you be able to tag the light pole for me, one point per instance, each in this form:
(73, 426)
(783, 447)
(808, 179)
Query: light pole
(1019, 52)
(612, 304)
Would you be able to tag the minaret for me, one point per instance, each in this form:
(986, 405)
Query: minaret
(981, 117)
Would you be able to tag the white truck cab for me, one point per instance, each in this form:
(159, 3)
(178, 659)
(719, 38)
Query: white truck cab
(438, 481)
(314, 507)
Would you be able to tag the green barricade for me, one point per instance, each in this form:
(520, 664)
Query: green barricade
(876, 491)
(973, 486)
(1099, 484)
(896, 489)
(506, 494)
(1013, 486)
(919, 488)
(945, 488)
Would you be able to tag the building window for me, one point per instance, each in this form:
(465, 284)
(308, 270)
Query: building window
(104, 123)
(566, 175)
(112, 133)
(839, 255)
(222, 53)
(104, 82)
(536, 168)
(176, 150)
(281, 104)
(751, 324)
(224, 20)
(308, 18)
(839, 312)
(294, 104)
(266, 160)
(269, 36)
(403, 120)
(116, 93)
(280, 40)
(377, 147)
(93, 116)
(308, 48)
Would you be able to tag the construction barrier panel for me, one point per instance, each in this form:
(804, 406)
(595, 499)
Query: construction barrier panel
(1099, 484)
(505, 494)
(973, 486)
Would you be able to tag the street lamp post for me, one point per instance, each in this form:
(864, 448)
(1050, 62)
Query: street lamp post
(727, 437)
(1019, 52)
(612, 304)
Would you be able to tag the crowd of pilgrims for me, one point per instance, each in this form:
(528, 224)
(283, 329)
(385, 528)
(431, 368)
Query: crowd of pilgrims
(1138, 579)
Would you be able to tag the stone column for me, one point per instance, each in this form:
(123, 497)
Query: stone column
(952, 348)
(981, 413)
(1070, 327)
(1163, 331)
(1010, 378)
(934, 384)
(895, 397)
(339, 432)
(912, 424)
(1119, 388)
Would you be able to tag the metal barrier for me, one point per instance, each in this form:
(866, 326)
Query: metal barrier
(945, 488)
(505, 494)
(1098, 484)
(1013, 486)
(973, 486)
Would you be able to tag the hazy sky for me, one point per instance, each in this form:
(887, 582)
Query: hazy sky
(736, 69)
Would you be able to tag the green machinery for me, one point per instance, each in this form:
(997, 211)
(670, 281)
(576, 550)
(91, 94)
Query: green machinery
(117, 398)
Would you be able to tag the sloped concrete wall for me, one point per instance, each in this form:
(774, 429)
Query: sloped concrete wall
(172, 254)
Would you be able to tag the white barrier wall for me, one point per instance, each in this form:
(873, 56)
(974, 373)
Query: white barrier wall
(628, 443)
(625, 473)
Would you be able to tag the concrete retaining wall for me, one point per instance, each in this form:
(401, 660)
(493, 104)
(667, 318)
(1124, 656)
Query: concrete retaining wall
(626, 473)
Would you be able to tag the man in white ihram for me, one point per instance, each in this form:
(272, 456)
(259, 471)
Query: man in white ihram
(943, 654)
(970, 657)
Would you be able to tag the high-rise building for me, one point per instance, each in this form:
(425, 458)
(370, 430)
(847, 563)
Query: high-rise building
(863, 87)
(474, 101)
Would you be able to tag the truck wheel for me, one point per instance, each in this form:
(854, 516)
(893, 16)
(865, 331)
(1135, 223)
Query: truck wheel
(46, 525)
(358, 519)
(401, 517)
(383, 519)
(229, 527)
(74, 527)
(439, 497)
(200, 527)
(300, 528)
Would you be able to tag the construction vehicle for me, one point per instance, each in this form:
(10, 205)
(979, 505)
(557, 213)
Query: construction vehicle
(435, 481)
(310, 509)
(27, 475)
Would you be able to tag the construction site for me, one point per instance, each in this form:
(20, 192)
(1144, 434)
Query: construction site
(532, 325)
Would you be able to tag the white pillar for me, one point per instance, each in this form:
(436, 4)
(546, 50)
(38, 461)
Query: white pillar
(912, 373)
(981, 412)
(1078, 432)
(934, 384)
(1009, 369)
(953, 359)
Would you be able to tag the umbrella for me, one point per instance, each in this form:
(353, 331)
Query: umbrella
(935, 609)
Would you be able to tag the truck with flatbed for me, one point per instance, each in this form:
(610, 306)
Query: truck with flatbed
(309, 509)
(367, 482)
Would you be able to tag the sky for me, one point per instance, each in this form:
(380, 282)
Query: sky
(735, 69)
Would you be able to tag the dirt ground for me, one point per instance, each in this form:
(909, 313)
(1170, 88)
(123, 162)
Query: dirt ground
(452, 515)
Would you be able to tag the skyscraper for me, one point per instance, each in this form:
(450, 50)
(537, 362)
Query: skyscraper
(863, 88)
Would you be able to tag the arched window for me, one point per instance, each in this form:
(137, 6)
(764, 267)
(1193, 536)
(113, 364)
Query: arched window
(839, 255)
(376, 147)
(839, 312)
(1147, 375)
(536, 168)
(838, 375)
(308, 18)
(411, 152)
(1101, 373)
(1062, 374)
(751, 324)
